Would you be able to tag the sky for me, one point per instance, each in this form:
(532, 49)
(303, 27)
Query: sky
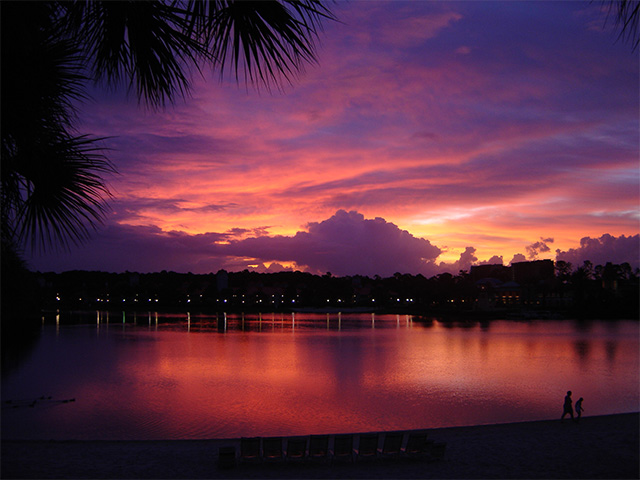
(429, 136)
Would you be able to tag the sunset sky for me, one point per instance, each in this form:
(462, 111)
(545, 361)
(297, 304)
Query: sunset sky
(428, 136)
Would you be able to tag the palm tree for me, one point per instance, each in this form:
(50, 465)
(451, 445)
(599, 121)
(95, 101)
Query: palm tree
(53, 187)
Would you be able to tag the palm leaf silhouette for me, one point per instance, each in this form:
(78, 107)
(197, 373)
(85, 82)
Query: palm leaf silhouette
(264, 42)
(627, 19)
(154, 46)
(64, 196)
(140, 42)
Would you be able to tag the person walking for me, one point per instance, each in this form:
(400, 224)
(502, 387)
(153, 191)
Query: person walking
(579, 409)
(568, 406)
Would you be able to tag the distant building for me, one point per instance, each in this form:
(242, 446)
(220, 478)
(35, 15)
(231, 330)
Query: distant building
(497, 271)
(521, 284)
(523, 273)
(538, 271)
(509, 293)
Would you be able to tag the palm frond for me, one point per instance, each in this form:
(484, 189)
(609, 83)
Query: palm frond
(142, 43)
(626, 15)
(62, 197)
(263, 42)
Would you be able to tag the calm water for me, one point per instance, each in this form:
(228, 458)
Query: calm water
(186, 377)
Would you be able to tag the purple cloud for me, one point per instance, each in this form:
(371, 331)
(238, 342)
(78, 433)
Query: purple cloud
(467, 258)
(495, 260)
(345, 244)
(518, 257)
(605, 249)
(117, 248)
(538, 247)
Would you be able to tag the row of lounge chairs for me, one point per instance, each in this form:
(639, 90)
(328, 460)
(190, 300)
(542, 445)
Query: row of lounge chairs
(333, 448)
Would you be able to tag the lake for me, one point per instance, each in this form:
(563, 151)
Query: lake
(185, 376)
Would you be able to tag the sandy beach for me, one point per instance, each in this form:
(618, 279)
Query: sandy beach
(598, 447)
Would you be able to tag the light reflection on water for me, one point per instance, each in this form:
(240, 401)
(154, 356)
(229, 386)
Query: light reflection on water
(153, 376)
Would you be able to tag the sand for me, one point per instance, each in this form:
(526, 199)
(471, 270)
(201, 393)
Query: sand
(598, 447)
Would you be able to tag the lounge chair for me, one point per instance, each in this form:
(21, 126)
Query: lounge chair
(437, 451)
(272, 449)
(368, 446)
(391, 448)
(250, 449)
(319, 447)
(418, 446)
(343, 448)
(296, 448)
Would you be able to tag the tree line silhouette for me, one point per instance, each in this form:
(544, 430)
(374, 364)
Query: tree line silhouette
(603, 291)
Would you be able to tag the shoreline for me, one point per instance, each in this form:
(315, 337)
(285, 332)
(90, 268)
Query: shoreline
(605, 446)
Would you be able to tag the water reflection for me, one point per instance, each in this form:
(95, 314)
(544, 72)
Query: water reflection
(154, 375)
(258, 322)
(582, 349)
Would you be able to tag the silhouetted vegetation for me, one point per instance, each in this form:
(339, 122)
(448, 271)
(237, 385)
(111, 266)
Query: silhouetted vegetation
(53, 180)
(604, 291)
(626, 14)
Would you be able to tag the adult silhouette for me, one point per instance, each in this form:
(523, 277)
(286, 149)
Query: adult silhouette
(568, 406)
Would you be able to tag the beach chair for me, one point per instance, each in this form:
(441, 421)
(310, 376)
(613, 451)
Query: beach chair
(296, 448)
(272, 449)
(418, 445)
(343, 448)
(319, 447)
(250, 449)
(368, 446)
(392, 445)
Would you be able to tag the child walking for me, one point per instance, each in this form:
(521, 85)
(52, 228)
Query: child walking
(579, 409)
